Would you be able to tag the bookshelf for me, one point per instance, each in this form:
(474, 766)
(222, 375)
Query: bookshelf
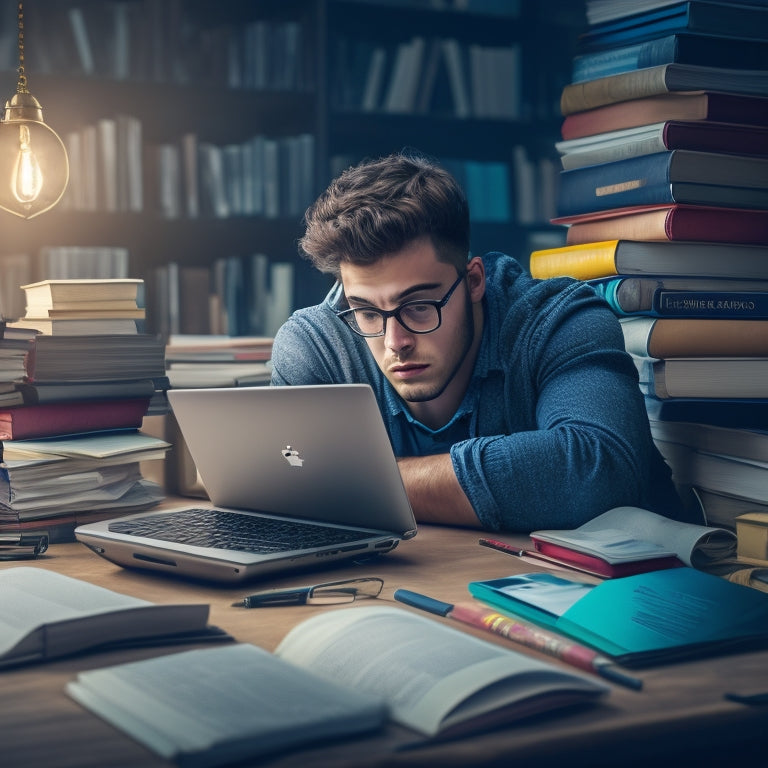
(137, 88)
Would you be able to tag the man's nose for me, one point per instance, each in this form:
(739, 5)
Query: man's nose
(396, 336)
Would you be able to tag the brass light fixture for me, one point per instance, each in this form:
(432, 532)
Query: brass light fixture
(34, 169)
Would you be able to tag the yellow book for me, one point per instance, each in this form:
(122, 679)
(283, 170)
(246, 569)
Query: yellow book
(583, 261)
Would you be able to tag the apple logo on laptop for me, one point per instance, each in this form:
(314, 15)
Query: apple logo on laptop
(292, 456)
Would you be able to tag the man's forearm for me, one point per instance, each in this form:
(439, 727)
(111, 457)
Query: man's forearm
(434, 491)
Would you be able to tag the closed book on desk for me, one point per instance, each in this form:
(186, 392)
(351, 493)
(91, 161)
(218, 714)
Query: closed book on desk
(89, 358)
(51, 419)
(682, 48)
(669, 222)
(650, 618)
(666, 337)
(703, 106)
(628, 540)
(587, 261)
(85, 293)
(664, 78)
(661, 137)
(680, 296)
(46, 615)
(335, 674)
(676, 176)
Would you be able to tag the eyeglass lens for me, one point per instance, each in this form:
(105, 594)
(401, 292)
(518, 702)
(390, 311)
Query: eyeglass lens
(344, 591)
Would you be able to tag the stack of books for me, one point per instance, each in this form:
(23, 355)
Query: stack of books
(77, 378)
(664, 191)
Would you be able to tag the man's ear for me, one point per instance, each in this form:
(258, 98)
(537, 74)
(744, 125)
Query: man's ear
(476, 278)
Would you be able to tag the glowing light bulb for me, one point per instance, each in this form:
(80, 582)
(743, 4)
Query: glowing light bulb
(27, 178)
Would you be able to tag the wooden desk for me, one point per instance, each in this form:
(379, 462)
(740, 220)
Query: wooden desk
(679, 718)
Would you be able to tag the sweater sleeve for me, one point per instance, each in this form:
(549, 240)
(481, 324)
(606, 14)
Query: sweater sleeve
(586, 446)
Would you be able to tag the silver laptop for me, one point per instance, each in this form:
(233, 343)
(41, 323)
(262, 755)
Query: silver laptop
(296, 476)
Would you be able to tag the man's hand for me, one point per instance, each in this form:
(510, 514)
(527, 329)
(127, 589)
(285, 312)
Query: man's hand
(434, 491)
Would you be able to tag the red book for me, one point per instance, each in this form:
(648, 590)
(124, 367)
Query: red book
(669, 222)
(600, 567)
(68, 418)
(712, 106)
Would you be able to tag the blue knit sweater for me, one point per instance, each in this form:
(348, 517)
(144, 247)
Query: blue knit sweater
(552, 430)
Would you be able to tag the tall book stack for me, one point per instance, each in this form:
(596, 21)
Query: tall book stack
(664, 191)
(76, 380)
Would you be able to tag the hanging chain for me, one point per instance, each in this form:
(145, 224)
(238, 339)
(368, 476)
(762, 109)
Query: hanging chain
(21, 86)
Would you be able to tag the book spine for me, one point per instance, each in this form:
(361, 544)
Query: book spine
(577, 97)
(590, 66)
(702, 50)
(584, 261)
(637, 181)
(715, 304)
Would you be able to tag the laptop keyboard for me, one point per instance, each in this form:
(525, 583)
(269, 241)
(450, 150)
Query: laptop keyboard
(203, 527)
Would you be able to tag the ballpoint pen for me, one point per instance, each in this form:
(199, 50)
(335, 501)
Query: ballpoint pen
(552, 562)
(522, 632)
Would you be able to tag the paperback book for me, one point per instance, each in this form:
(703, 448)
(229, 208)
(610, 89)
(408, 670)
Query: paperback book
(335, 674)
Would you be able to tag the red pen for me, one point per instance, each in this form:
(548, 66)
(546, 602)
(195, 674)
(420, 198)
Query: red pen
(522, 632)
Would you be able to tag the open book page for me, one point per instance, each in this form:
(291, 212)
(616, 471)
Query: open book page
(630, 533)
(217, 705)
(432, 676)
(44, 614)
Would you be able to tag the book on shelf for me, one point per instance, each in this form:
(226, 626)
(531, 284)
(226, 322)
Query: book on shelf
(666, 337)
(699, 106)
(675, 176)
(628, 540)
(670, 222)
(744, 378)
(664, 78)
(586, 261)
(618, 23)
(646, 619)
(46, 615)
(682, 296)
(70, 418)
(335, 674)
(661, 137)
(682, 48)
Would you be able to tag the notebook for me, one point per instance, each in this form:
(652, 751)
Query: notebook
(296, 476)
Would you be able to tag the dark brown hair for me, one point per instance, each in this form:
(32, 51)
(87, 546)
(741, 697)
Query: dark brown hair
(380, 206)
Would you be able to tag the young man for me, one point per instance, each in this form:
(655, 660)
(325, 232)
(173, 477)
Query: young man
(510, 402)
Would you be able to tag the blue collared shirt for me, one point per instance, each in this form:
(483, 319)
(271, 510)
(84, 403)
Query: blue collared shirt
(552, 430)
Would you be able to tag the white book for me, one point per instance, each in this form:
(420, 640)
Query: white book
(45, 615)
(335, 674)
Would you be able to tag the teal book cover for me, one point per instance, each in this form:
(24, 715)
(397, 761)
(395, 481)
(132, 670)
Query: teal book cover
(640, 620)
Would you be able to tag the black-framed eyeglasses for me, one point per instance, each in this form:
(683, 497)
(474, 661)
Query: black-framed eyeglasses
(329, 593)
(419, 316)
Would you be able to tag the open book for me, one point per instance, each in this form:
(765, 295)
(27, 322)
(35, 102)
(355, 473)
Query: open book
(44, 615)
(335, 674)
(628, 540)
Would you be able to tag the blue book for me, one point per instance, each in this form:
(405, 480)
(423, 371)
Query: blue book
(650, 618)
(702, 50)
(683, 296)
(712, 18)
(674, 176)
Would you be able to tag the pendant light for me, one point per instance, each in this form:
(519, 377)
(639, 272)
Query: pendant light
(34, 169)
